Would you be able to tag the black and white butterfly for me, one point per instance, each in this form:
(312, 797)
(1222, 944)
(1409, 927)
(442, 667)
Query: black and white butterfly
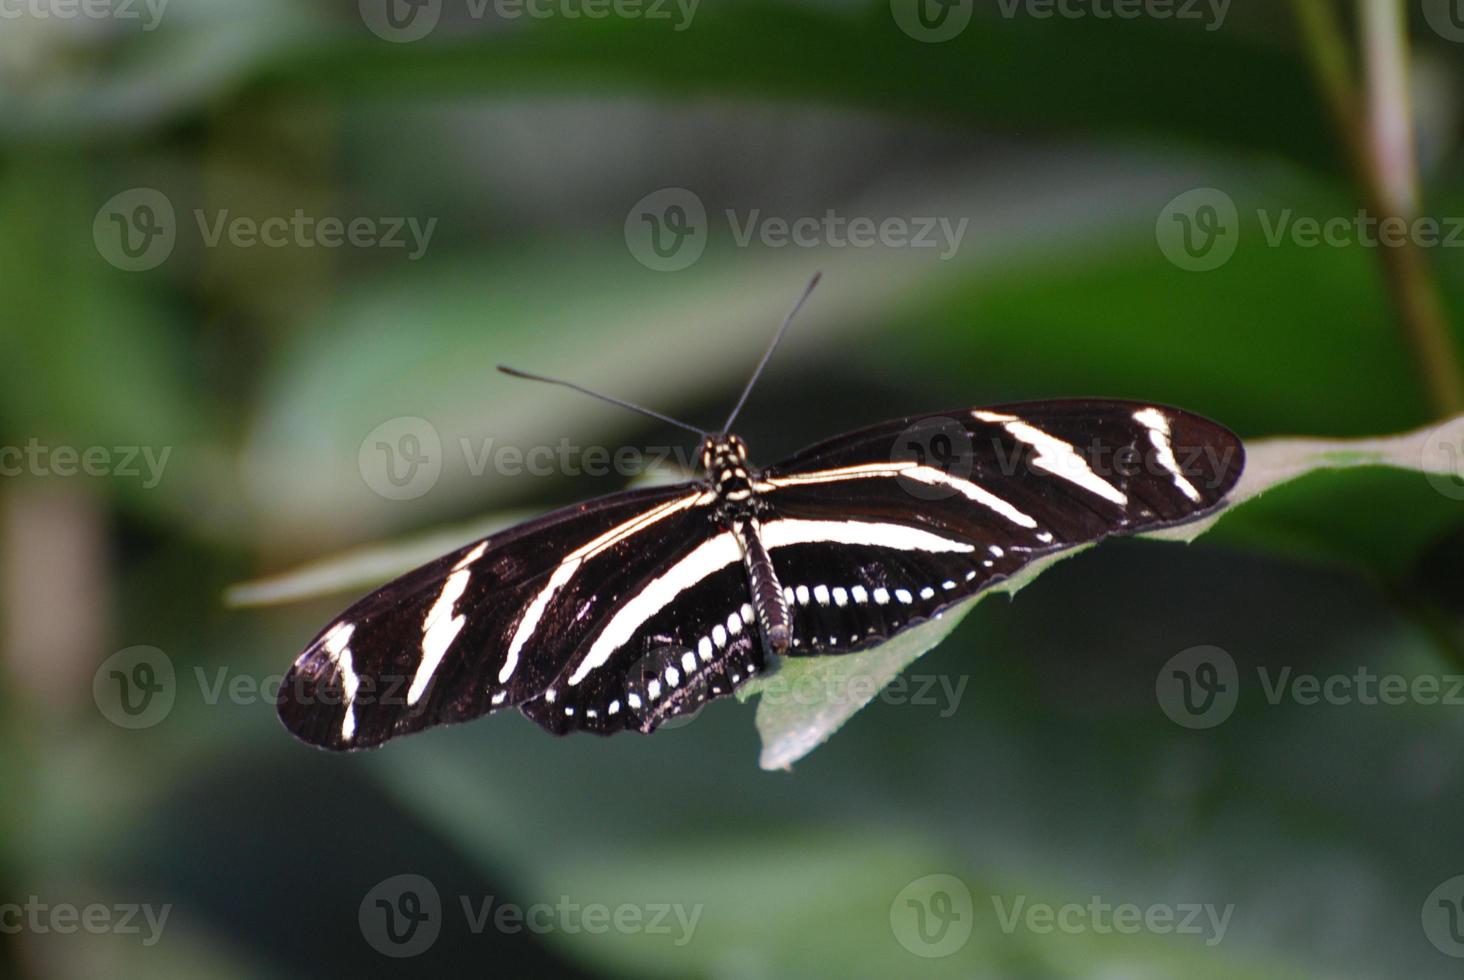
(624, 612)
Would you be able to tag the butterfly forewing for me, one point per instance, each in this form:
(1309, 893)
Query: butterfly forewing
(1082, 468)
(485, 627)
(923, 512)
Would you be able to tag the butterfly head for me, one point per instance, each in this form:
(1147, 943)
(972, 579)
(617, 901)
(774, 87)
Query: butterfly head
(725, 459)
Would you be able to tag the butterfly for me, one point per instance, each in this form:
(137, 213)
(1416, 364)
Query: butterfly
(624, 612)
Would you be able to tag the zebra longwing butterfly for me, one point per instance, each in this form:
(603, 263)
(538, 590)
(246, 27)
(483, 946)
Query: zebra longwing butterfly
(624, 612)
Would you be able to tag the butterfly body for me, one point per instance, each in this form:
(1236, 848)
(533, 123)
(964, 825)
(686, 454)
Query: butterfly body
(738, 511)
(625, 612)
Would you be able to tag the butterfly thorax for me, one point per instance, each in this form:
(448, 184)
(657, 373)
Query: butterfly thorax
(725, 461)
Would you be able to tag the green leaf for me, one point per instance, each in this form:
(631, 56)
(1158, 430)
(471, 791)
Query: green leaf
(362, 567)
(70, 81)
(857, 56)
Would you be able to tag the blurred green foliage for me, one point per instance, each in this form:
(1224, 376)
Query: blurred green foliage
(1056, 778)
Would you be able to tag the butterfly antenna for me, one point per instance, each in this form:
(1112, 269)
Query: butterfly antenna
(515, 373)
(768, 354)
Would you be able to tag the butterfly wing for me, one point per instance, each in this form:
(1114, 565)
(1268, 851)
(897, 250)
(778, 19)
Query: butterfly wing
(681, 635)
(875, 531)
(488, 626)
(628, 611)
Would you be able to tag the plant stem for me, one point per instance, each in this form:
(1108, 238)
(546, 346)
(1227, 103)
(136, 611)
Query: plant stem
(1378, 138)
(1390, 107)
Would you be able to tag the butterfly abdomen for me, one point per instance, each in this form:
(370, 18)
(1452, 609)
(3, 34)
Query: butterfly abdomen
(767, 591)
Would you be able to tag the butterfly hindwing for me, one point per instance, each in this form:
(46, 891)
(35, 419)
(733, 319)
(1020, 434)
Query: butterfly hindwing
(687, 636)
(882, 577)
